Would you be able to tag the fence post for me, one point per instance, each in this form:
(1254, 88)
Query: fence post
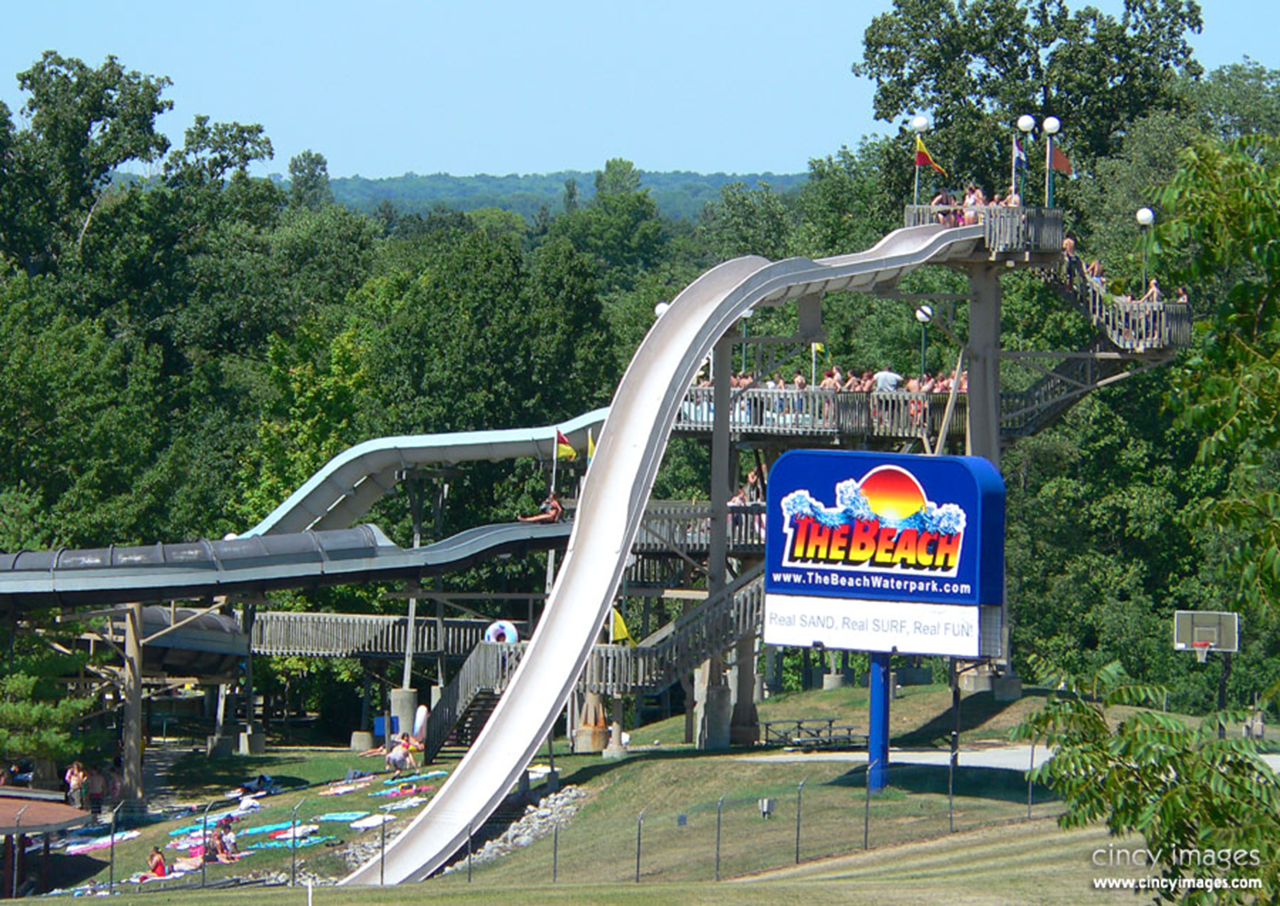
(799, 805)
(719, 815)
(468, 852)
(639, 832)
(204, 841)
(19, 852)
(1030, 767)
(951, 782)
(111, 877)
(555, 852)
(866, 812)
(382, 854)
(293, 843)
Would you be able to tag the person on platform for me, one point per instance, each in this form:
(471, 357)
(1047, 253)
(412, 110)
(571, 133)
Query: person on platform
(551, 511)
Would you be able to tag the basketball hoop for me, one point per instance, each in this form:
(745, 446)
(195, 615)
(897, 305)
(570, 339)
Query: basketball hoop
(1202, 650)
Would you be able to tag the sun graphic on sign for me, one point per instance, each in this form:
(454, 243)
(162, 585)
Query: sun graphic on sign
(892, 493)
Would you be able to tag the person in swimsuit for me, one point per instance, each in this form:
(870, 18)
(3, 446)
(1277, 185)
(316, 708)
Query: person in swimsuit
(551, 511)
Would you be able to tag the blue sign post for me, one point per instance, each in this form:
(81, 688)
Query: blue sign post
(882, 553)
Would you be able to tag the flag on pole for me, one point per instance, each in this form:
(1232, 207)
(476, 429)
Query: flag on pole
(591, 447)
(924, 159)
(1019, 156)
(619, 631)
(1058, 161)
(564, 449)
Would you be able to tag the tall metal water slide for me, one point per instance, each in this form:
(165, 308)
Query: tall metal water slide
(610, 510)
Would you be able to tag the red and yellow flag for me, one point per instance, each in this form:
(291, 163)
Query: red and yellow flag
(924, 159)
(564, 449)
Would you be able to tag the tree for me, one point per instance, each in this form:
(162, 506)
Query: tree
(1206, 807)
(309, 181)
(978, 66)
(747, 222)
(84, 124)
(619, 177)
(1223, 210)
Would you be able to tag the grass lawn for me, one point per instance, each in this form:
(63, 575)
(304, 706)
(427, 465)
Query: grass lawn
(685, 795)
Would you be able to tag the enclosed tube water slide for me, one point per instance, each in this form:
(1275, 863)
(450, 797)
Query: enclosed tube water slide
(610, 510)
(197, 569)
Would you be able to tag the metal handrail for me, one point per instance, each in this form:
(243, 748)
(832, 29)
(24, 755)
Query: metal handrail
(1008, 229)
(1129, 325)
(825, 413)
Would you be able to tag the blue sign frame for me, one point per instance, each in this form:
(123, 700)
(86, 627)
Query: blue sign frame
(885, 527)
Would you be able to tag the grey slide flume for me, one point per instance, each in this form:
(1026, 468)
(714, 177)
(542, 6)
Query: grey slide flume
(610, 509)
(342, 492)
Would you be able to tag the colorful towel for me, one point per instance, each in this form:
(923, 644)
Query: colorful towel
(290, 844)
(100, 842)
(344, 788)
(265, 829)
(340, 816)
(408, 790)
(429, 775)
(302, 830)
(372, 821)
(411, 802)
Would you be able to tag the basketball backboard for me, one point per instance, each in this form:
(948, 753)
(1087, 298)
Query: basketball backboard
(1203, 631)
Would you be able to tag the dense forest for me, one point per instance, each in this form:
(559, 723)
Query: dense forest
(176, 356)
(679, 195)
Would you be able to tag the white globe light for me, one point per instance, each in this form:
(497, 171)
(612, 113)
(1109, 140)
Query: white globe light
(1145, 216)
(924, 314)
(661, 309)
(1052, 124)
(1026, 122)
(748, 313)
(920, 123)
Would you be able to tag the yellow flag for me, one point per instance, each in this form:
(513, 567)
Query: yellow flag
(591, 446)
(619, 631)
(564, 449)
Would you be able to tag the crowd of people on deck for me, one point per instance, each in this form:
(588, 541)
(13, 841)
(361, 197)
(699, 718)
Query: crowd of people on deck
(835, 380)
(972, 199)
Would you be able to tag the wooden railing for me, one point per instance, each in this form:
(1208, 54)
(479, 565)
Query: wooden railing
(684, 526)
(1130, 326)
(487, 669)
(1021, 229)
(354, 635)
(823, 413)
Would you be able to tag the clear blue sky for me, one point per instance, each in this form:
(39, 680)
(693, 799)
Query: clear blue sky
(384, 87)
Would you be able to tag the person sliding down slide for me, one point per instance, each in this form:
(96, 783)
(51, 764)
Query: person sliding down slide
(551, 511)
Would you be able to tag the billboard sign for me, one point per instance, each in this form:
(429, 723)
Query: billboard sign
(882, 552)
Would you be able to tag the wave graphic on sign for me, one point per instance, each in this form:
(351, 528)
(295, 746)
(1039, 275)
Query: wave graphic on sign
(889, 495)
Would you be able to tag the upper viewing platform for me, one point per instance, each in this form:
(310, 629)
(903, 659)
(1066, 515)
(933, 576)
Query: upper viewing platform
(1036, 231)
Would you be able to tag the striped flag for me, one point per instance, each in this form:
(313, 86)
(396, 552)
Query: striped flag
(591, 447)
(564, 449)
(1019, 156)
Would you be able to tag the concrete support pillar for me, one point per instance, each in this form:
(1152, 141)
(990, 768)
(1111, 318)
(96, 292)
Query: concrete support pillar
(712, 709)
(744, 726)
(404, 704)
(984, 362)
(984, 396)
(592, 733)
(615, 748)
(131, 791)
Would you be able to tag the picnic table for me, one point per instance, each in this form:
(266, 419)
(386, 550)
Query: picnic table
(811, 732)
